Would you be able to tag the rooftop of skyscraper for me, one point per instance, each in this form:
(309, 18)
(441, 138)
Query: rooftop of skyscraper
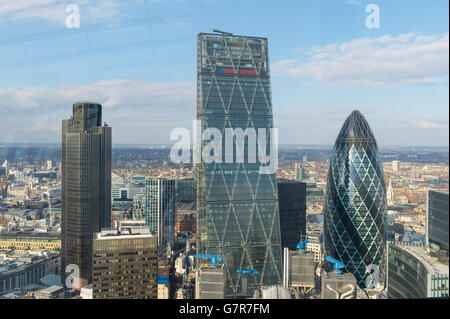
(432, 264)
(122, 233)
(355, 128)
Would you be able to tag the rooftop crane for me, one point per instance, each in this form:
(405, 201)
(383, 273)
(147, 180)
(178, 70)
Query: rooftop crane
(213, 258)
(301, 246)
(222, 32)
(338, 265)
(245, 272)
(244, 279)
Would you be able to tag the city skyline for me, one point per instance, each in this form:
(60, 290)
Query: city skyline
(139, 56)
(260, 150)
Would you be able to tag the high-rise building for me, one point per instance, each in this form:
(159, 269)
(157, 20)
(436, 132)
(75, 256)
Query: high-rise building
(48, 165)
(355, 217)
(185, 189)
(86, 185)
(437, 220)
(6, 168)
(395, 166)
(237, 206)
(292, 204)
(160, 210)
(125, 264)
(298, 271)
(300, 174)
(210, 283)
(139, 208)
(412, 273)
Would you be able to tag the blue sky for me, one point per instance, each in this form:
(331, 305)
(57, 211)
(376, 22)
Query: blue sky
(138, 58)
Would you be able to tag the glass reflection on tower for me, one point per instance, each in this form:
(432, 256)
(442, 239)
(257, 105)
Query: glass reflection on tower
(238, 214)
(355, 205)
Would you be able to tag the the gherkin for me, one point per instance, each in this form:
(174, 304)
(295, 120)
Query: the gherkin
(355, 205)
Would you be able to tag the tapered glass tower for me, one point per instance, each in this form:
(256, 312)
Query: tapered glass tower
(355, 205)
(237, 206)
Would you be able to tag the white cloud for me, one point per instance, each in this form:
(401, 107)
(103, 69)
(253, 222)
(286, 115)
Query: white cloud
(354, 2)
(430, 125)
(139, 111)
(406, 59)
(55, 10)
(110, 93)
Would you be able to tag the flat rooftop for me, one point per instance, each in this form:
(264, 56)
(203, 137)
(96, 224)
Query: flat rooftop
(21, 234)
(127, 232)
(332, 276)
(431, 263)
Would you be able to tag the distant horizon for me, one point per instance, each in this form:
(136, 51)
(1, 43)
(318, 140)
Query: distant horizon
(170, 144)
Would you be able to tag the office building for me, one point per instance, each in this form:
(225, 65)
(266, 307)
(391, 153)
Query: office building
(185, 189)
(300, 172)
(298, 271)
(18, 271)
(210, 283)
(139, 208)
(338, 287)
(355, 217)
(437, 221)
(4, 169)
(413, 274)
(49, 165)
(52, 292)
(237, 206)
(292, 205)
(160, 214)
(314, 245)
(395, 167)
(22, 242)
(86, 185)
(125, 264)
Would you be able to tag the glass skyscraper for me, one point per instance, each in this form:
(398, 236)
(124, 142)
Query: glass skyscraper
(437, 220)
(237, 206)
(292, 204)
(355, 205)
(86, 185)
(160, 209)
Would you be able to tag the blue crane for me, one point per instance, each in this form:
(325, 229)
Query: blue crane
(247, 271)
(301, 246)
(213, 258)
(338, 265)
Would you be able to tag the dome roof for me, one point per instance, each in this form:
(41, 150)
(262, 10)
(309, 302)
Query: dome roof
(355, 129)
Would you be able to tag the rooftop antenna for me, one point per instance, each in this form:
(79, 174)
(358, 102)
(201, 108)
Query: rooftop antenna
(221, 32)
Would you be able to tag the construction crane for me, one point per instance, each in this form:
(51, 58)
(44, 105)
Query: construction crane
(222, 32)
(213, 258)
(244, 279)
(245, 272)
(301, 246)
(338, 265)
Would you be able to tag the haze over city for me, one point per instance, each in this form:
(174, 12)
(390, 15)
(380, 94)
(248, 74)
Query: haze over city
(236, 151)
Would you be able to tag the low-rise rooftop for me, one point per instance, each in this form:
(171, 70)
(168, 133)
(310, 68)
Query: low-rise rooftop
(431, 263)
